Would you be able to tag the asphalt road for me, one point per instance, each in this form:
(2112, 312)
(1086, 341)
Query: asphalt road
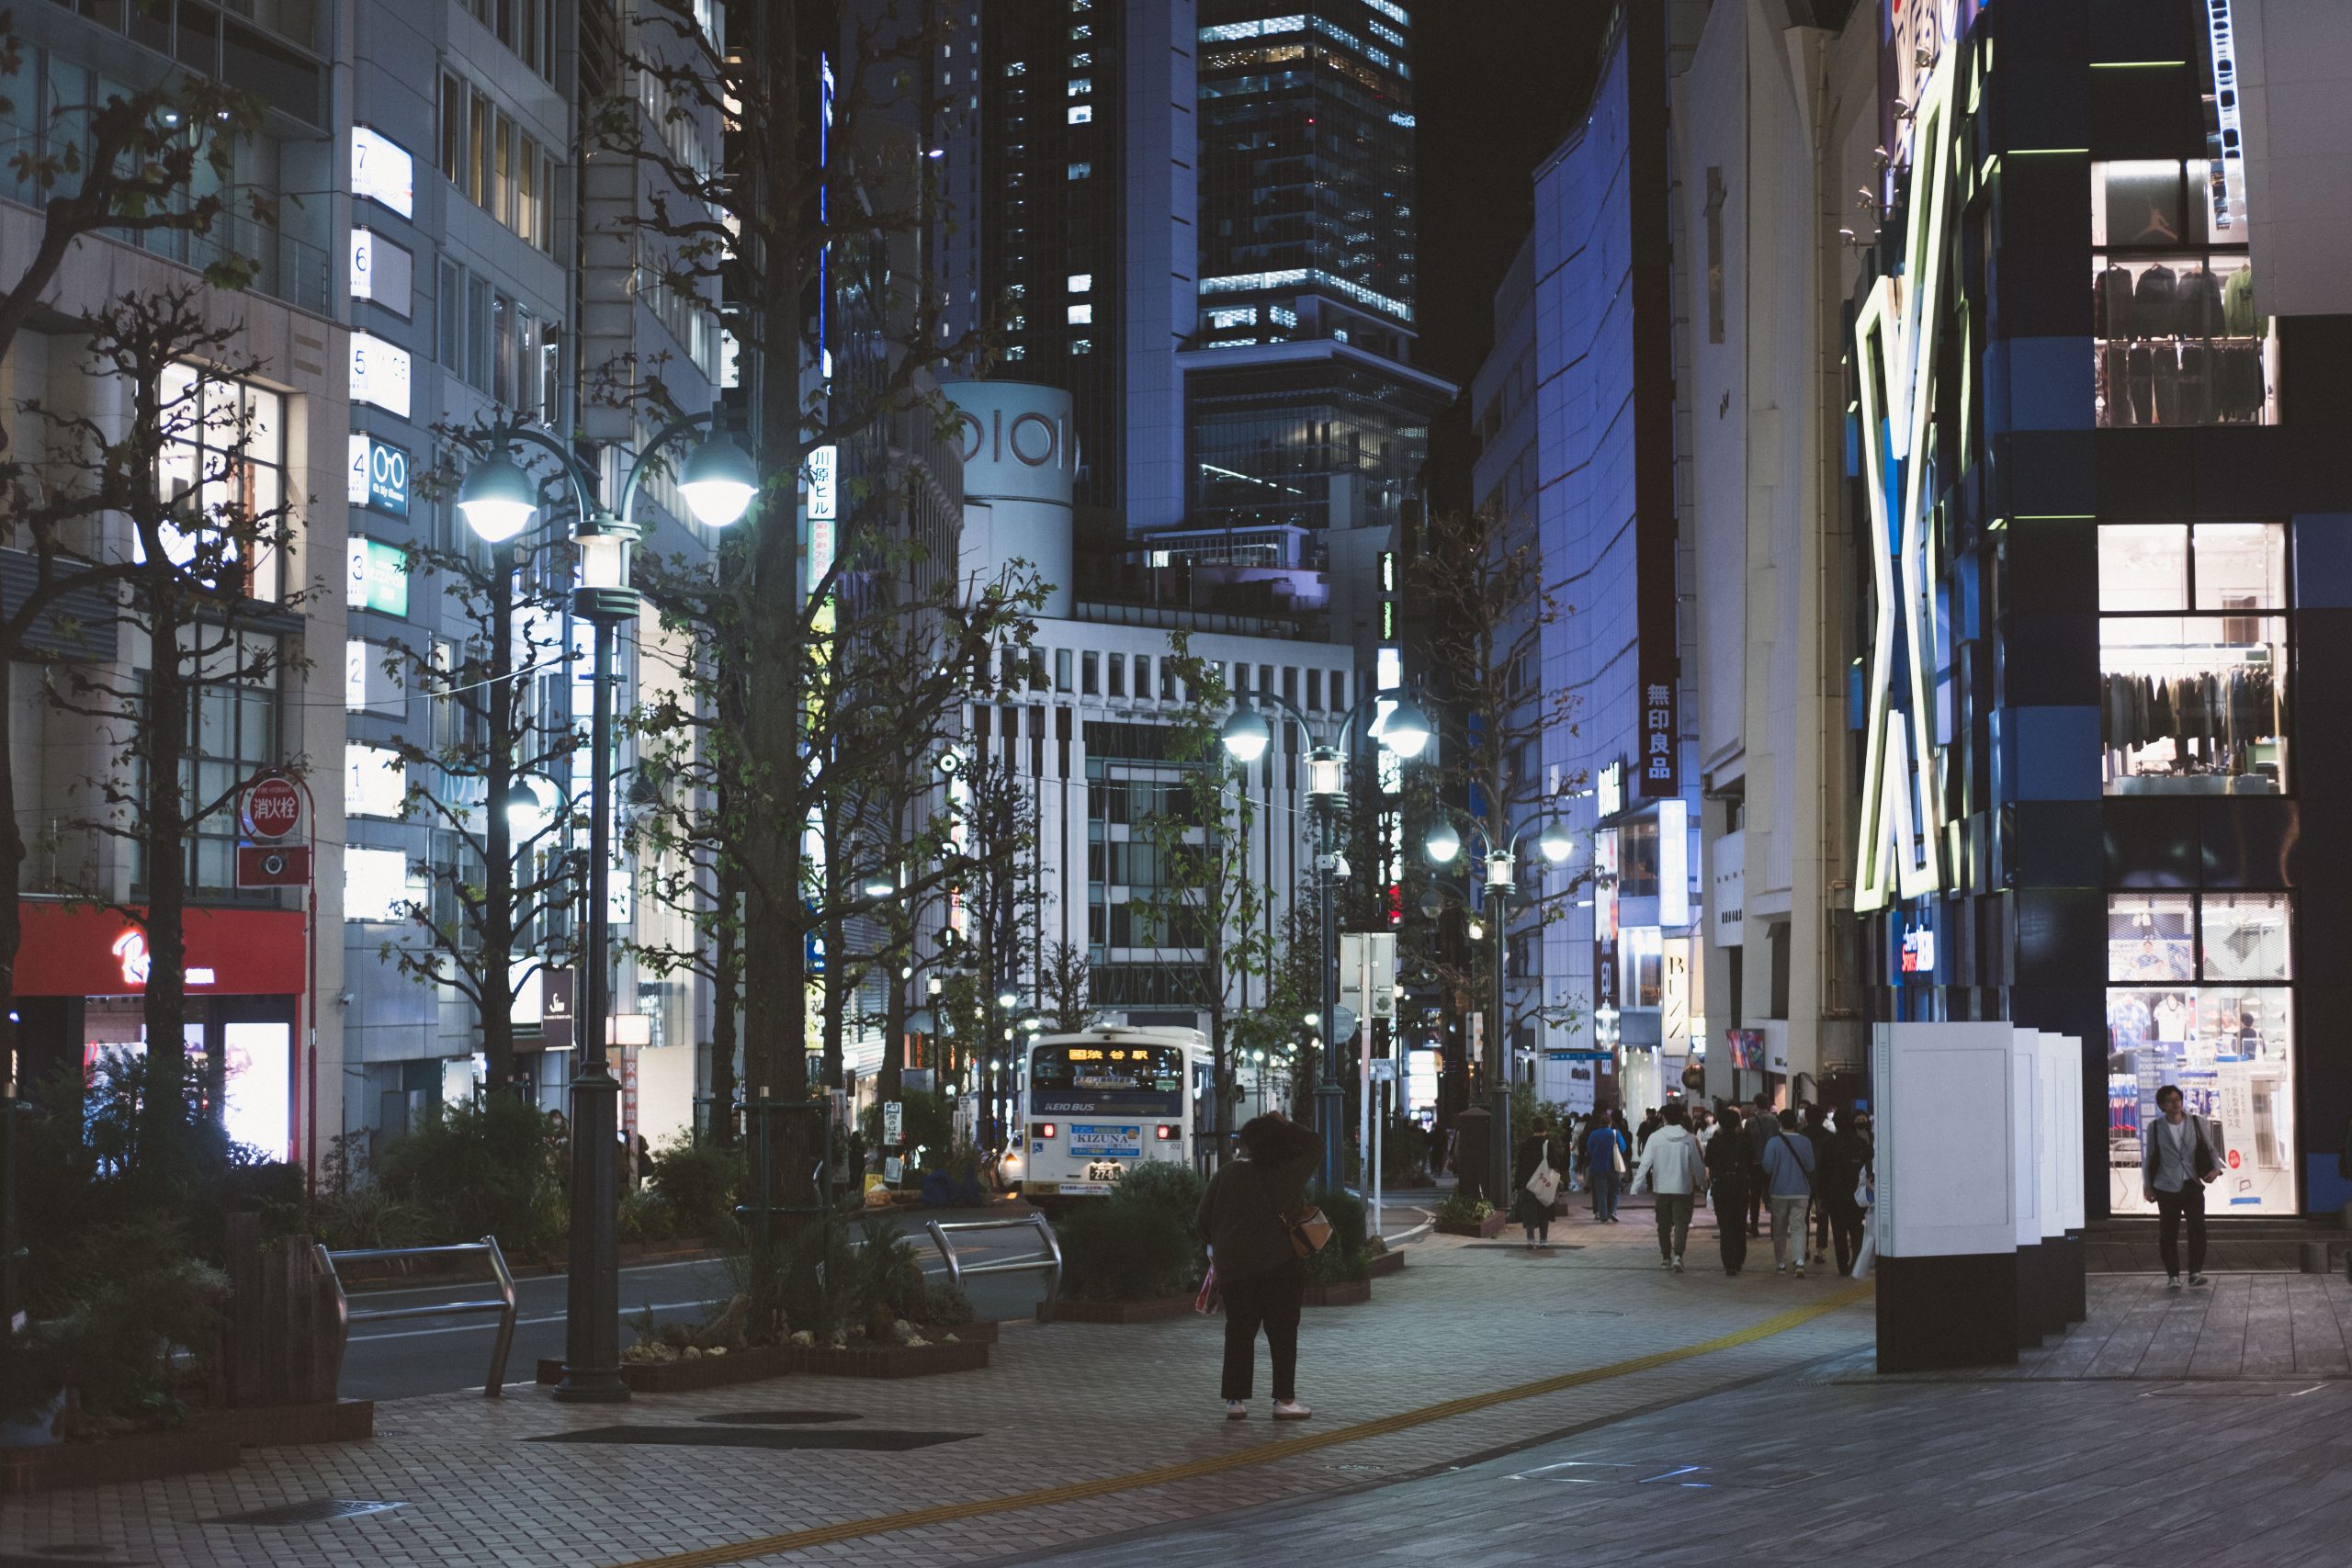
(428, 1355)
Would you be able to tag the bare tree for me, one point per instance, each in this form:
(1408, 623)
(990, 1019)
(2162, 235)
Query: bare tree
(1065, 986)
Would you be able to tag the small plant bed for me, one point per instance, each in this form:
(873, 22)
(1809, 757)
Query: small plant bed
(336, 1421)
(133, 1456)
(1151, 1309)
(1338, 1293)
(1463, 1216)
(1387, 1263)
(887, 1361)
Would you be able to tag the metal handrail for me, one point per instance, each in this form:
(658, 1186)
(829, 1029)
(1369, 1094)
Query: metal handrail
(1050, 1260)
(503, 1306)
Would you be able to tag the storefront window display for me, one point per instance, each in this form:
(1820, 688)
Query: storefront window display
(2198, 996)
(2179, 337)
(2193, 657)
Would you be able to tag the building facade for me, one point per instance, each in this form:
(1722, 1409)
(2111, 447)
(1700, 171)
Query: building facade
(2097, 481)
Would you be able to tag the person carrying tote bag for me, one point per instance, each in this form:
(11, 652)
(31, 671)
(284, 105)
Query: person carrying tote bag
(1537, 1185)
(1252, 1218)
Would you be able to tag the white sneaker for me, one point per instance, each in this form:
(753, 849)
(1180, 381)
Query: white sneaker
(1678, 1266)
(1666, 1262)
(2172, 1282)
(1235, 1410)
(1800, 1270)
(1291, 1410)
(1780, 1268)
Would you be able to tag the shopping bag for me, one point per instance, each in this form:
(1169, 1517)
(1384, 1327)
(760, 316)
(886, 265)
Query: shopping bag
(1545, 1183)
(1210, 1298)
(1868, 1254)
(1617, 1152)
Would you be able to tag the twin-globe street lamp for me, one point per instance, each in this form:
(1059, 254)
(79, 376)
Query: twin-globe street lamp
(1444, 845)
(499, 501)
(1245, 735)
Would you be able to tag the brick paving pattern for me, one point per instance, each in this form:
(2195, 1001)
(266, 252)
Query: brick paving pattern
(1062, 1404)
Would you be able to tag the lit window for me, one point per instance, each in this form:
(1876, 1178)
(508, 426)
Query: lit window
(1082, 59)
(1340, 334)
(1016, 352)
(1082, 345)
(1081, 315)
(1016, 289)
(1081, 32)
(1081, 170)
(1082, 283)
(1282, 315)
(1233, 316)
(1080, 86)
(1081, 114)
(1017, 68)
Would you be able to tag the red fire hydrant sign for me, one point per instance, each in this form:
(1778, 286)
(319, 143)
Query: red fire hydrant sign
(278, 854)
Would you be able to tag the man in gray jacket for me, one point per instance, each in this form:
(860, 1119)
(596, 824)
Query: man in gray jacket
(1676, 1169)
(2180, 1155)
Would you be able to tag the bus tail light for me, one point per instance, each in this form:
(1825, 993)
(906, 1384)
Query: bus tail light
(1041, 1129)
(1167, 1132)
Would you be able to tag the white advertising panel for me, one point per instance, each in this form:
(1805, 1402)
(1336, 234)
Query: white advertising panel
(1946, 1124)
(382, 171)
(380, 373)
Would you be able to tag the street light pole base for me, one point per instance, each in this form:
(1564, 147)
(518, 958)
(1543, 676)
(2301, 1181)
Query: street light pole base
(598, 1385)
(1330, 1125)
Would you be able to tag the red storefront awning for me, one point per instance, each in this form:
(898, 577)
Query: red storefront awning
(74, 950)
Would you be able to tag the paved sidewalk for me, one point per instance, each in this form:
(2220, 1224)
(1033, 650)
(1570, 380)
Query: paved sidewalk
(1075, 1406)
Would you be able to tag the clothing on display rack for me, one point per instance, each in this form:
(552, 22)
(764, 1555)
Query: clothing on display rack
(2211, 719)
(2179, 346)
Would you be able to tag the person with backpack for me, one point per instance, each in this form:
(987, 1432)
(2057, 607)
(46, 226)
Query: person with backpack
(1676, 1172)
(2181, 1156)
(1787, 1175)
(1245, 1220)
(1531, 1210)
(1604, 1152)
(1727, 1178)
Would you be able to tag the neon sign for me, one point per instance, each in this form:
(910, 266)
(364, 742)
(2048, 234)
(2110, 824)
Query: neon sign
(130, 947)
(1897, 336)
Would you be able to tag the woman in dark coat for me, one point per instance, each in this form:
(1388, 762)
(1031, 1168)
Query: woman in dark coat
(1528, 1211)
(1244, 1221)
(1727, 1185)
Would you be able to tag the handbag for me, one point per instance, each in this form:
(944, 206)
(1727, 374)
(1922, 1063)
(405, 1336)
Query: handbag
(1210, 1298)
(1310, 1232)
(1617, 1153)
(1545, 1182)
(2208, 1170)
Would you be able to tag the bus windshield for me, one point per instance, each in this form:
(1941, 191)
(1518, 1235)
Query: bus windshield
(1074, 1079)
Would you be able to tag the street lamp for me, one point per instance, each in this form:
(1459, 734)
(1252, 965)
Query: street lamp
(1557, 841)
(1247, 734)
(529, 807)
(498, 501)
(878, 883)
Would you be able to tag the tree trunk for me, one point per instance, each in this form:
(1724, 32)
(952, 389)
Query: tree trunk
(497, 1003)
(724, 1012)
(14, 852)
(163, 809)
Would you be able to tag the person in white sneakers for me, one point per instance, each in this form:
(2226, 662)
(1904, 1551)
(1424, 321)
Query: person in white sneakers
(1788, 1175)
(1677, 1171)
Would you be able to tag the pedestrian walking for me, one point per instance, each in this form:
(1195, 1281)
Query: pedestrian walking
(1728, 1180)
(1787, 1175)
(1844, 1161)
(1245, 1220)
(1676, 1172)
(1761, 1125)
(1605, 1155)
(1531, 1210)
(1651, 1123)
(1437, 1149)
(2179, 1157)
(1813, 1120)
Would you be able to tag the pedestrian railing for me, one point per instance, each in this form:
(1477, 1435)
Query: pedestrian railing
(1049, 1259)
(503, 1306)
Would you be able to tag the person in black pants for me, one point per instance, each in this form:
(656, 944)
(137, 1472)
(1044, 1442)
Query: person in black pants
(1845, 1154)
(1244, 1220)
(2180, 1155)
(1728, 1182)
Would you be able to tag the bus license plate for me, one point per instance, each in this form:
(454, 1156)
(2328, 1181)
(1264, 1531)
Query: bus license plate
(1094, 1140)
(1105, 1171)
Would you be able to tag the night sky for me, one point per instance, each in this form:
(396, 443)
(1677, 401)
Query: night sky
(1498, 83)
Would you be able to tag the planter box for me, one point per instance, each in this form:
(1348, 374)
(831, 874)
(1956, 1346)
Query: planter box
(1339, 1294)
(1158, 1308)
(343, 1421)
(1387, 1263)
(1485, 1230)
(140, 1456)
(888, 1361)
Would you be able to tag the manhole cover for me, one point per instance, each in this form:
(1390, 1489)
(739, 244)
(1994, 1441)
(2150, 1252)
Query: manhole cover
(756, 1438)
(313, 1511)
(775, 1418)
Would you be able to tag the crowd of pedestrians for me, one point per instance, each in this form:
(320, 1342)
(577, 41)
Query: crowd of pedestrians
(1802, 1169)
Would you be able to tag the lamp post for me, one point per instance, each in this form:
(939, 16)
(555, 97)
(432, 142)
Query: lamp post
(498, 500)
(1444, 844)
(1245, 735)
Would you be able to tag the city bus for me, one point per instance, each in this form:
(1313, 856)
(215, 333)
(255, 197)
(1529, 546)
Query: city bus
(1098, 1103)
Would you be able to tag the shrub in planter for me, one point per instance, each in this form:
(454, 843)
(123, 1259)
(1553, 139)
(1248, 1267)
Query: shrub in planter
(1133, 1246)
(944, 1306)
(645, 1216)
(698, 1183)
(136, 1302)
(480, 1169)
(1457, 1209)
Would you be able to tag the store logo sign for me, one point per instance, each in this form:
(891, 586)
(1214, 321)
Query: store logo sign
(130, 947)
(1897, 337)
(1918, 952)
